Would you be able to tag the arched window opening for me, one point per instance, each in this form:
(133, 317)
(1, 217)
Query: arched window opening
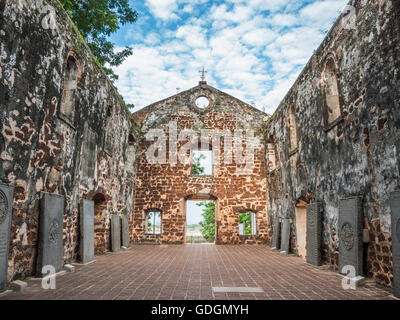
(331, 92)
(71, 75)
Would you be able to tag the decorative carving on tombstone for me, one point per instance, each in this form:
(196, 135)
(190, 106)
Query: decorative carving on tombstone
(351, 222)
(6, 200)
(51, 248)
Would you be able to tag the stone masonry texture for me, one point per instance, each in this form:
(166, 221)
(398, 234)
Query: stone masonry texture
(359, 155)
(65, 130)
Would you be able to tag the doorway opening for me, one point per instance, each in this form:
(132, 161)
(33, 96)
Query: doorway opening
(301, 229)
(200, 221)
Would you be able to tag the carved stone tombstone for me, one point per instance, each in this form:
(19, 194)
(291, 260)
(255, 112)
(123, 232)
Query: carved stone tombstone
(395, 207)
(125, 231)
(87, 231)
(51, 232)
(351, 235)
(314, 234)
(115, 233)
(6, 202)
(276, 237)
(285, 245)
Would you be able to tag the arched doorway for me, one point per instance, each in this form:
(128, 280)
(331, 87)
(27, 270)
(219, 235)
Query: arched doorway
(101, 244)
(201, 216)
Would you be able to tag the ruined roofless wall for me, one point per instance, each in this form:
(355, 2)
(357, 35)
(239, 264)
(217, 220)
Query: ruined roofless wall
(350, 150)
(166, 187)
(64, 129)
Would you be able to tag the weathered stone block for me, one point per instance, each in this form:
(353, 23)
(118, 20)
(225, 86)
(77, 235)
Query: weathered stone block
(351, 235)
(395, 206)
(314, 234)
(6, 203)
(125, 231)
(276, 237)
(51, 232)
(285, 236)
(115, 233)
(87, 231)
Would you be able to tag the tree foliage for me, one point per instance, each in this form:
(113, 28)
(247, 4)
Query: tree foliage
(197, 167)
(245, 219)
(97, 20)
(208, 223)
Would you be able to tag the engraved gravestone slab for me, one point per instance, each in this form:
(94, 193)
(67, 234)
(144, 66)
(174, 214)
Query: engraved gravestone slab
(87, 231)
(314, 234)
(125, 231)
(395, 208)
(51, 232)
(6, 202)
(276, 237)
(115, 233)
(351, 235)
(285, 236)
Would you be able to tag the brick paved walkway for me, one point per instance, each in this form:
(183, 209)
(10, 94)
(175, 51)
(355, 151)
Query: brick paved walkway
(190, 272)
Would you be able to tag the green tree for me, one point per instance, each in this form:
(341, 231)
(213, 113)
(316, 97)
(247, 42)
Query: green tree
(208, 223)
(97, 20)
(245, 219)
(197, 168)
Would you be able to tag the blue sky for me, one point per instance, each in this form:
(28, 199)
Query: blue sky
(253, 49)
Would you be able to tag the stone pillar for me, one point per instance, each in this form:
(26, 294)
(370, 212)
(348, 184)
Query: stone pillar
(6, 203)
(51, 246)
(351, 220)
(395, 207)
(87, 231)
(115, 233)
(314, 234)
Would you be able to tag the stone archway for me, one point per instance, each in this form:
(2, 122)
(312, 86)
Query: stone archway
(101, 244)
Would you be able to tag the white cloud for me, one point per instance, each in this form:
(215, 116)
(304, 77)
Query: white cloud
(253, 49)
(163, 9)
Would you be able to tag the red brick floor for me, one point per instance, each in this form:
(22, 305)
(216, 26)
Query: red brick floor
(190, 272)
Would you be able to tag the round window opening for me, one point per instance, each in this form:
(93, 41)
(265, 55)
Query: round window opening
(202, 102)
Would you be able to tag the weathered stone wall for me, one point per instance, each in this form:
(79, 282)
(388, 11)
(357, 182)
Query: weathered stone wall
(165, 187)
(357, 153)
(64, 129)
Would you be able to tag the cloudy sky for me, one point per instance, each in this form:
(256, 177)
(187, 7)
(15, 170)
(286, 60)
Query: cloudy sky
(252, 49)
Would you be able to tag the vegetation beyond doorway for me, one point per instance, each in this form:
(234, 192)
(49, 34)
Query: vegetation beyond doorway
(200, 222)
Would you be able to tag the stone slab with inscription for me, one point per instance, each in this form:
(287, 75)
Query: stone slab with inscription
(351, 220)
(87, 231)
(314, 234)
(125, 231)
(6, 203)
(285, 244)
(395, 209)
(276, 237)
(115, 233)
(51, 232)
